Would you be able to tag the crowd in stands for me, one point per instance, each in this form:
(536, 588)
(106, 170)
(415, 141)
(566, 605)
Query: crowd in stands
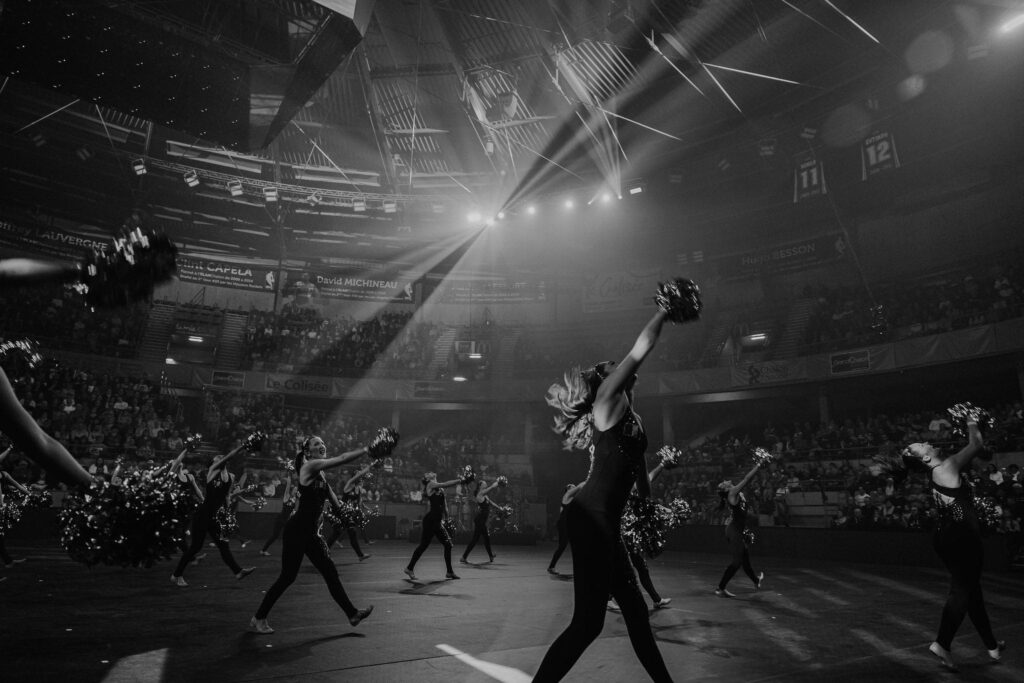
(57, 317)
(847, 316)
(98, 417)
(300, 339)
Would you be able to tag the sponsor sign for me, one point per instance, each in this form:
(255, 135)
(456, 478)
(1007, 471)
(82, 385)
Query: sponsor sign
(752, 374)
(790, 256)
(848, 362)
(494, 291)
(217, 273)
(291, 384)
(619, 290)
(224, 378)
(355, 285)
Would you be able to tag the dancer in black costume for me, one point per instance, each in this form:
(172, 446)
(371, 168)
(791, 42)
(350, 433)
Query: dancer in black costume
(639, 562)
(563, 534)
(433, 523)
(352, 496)
(483, 510)
(301, 535)
(189, 487)
(596, 409)
(287, 506)
(733, 495)
(218, 484)
(958, 544)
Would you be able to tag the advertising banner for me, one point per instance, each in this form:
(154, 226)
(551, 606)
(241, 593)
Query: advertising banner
(353, 285)
(807, 253)
(46, 241)
(216, 273)
(751, 374)
(224, 378)
(619, 290)
(291, 384)
(502, 291)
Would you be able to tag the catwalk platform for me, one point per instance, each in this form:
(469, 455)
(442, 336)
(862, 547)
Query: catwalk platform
(812, 621)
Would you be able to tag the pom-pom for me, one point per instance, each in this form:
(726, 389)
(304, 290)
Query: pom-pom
(989, 513)
(129, 271)
(259, 503)
(25, 349)
(467, 475)
(36, 498)
(646, 523)
(681, 511)
(383, 443)
(502, 481)
(254, 441)
(680, 299)
(193, 442)
(347, 516)
(226, 521)
(964, 413)
(377, 464)
(671, 457)
(10, 513)
(134, 523)
(762, 457)
(287, 463)
(448, 524)
(502, 512)
(748, 537)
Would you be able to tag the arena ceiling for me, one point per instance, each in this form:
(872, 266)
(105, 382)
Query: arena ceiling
(379, 125)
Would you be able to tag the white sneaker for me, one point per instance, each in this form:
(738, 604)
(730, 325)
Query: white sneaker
(663, 603)
(723, 593)
(260, 626)
(760, 580)
(179, 581)
(614, 606)
(264, 553)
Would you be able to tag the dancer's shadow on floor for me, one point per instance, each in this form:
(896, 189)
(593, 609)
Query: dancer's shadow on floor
(429, 588)
(560, 577)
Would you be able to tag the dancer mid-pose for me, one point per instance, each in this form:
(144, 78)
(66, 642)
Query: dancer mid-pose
(958, 544)
(218, 484)
(596, 413)
(483, 509)
(301, 532)
(639, 562)
(287, 506)
(433, 523)
(734, 532)
(563, 534)
(351, 496)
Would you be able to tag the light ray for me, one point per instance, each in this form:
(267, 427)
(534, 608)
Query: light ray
(850, 19)
(643, 125)
(751, 73)
(678, 48)
(43, 118)
(499, 672)
(808, 16)
(721, 87)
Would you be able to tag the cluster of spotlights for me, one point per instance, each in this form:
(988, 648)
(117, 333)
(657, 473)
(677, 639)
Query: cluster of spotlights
(567, 204)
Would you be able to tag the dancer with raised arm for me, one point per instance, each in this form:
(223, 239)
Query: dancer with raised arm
(596, 413)
(301, 533)
(433, 525)
(352, 499)
(563, 534)
(219, 482)
(10, 511)
(736, 533)
(483, 510)
(957, 538)
(287, 507)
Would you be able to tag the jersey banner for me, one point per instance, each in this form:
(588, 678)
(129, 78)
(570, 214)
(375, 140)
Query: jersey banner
(878, 154)
(808, 178)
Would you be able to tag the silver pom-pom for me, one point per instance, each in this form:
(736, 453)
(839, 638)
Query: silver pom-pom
(448, 524)
(384, 442)
(645, 524)
(748, 537)
(193, 442)
(502, 481)
(254, 441)
(964, 413)
(680, 299)
(762, 457)
(671, 457)
(26, 349)
(132, 523)
(467, 474)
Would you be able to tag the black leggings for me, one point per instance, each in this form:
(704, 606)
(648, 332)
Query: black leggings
(644, 575)
(740, 557)
(432, 527)
(563, 540)
(963, 554)
(335, 534)
(279, 523)
(203, 522)
(4, 557)
(479, 531)
(600, 568)
(299, 542)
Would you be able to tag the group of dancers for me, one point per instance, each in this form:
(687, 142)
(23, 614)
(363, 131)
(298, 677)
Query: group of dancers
(595, 413)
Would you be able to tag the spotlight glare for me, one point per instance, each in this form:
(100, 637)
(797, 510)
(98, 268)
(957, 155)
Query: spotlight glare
(501, 215)
(458, 378)
(569, 203)
(606, 197)
(473, 216)
(531, 209)
(636, 190)
(1012, 23)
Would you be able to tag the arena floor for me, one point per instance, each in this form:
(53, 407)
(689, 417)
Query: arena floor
(812, 622)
